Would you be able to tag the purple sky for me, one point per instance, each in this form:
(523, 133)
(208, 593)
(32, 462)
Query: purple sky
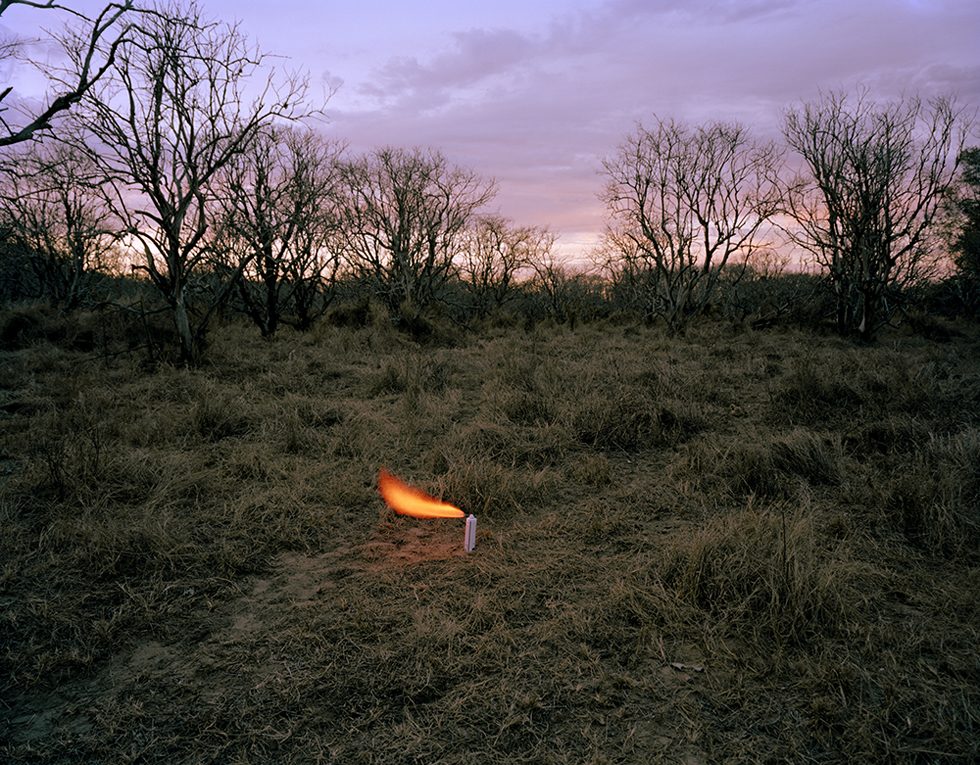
(534, 94)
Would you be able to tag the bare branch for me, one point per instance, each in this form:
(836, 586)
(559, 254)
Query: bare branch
(492, 252)
(87, 74)
(52, 208)
(278, 205)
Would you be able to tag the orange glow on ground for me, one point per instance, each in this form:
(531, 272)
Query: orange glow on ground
(407, 500)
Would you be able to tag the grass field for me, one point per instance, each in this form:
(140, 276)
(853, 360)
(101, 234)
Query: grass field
(722, 547)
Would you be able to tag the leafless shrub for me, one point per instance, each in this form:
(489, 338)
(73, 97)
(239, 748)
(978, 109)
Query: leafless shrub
(279, 208)
(570, 295)
(168, 115)
(493, 253)
(52, 211)
(71, 451)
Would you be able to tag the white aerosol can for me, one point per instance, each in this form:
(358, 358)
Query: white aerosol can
(469, 541)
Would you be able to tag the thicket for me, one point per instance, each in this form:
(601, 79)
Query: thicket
(123, 314)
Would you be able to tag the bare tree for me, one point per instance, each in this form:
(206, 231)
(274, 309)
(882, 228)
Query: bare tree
(564, 291)
(404, 214)
(492, 253)
(95, 57)
(633, 284)
(52, 208)
(876, 177)
(168, 116)
(684, 201)
(314, 269)
(280, 205)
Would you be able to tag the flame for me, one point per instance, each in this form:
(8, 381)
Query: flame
(407, 500)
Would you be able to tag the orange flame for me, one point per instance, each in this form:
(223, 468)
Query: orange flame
(407, 500)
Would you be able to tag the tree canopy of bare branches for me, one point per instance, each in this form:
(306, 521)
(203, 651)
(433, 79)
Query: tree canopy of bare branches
(94, 56)
(279, 201)
(171, 112)
(683, 202)
(876, 175)
(560, 286)
(492, 253)
(404, 214)
(52, 209)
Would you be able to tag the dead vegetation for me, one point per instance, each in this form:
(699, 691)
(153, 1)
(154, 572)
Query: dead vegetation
(716, 547)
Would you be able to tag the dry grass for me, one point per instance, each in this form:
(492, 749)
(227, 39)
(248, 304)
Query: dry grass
(750, 547)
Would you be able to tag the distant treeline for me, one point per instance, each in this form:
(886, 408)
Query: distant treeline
(165, 190)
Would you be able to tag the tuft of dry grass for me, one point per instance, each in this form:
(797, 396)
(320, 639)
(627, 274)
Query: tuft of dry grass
(764, 572)
(780, 465)
(936, 497)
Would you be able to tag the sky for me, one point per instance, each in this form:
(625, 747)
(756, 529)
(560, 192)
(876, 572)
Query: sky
(534, 93)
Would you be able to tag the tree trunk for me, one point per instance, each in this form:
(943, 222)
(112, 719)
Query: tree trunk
(271, 301)
(869, 313)
(842, 327)
(188, 348)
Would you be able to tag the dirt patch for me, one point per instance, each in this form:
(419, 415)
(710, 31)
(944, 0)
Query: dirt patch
(413, 542)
